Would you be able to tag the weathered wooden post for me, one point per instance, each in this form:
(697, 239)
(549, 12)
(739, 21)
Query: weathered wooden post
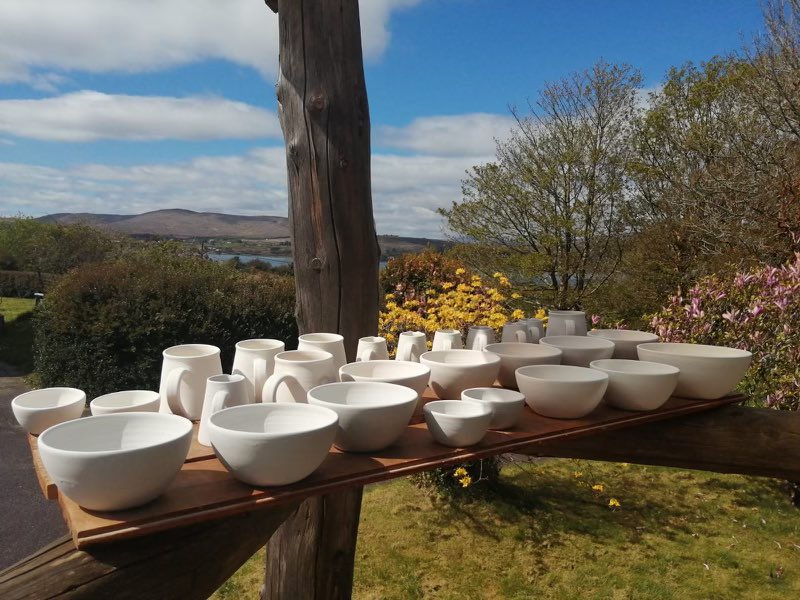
(322, 100)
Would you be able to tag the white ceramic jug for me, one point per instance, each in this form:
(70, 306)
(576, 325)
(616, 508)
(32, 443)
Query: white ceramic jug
(296, 372)
(535, 329)
(255, 361)
(480, 336)
(566, 322)
(447, 339)
(184, 373)
(515, 332)
(372, 347)
(327, 342)
(411, 345)
(222, 391)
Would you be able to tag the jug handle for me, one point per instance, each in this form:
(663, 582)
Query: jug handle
(270, 391)
(368, 354)
(219, 401)
(521, 335)
(570, 327)
(260, 375)
(174, 389)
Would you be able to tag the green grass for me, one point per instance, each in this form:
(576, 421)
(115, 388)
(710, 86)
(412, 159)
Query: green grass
(16, 341)
(547, 534)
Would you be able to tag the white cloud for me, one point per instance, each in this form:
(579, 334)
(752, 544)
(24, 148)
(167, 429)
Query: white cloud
(454, 135)
(150, 35)
(88, 116)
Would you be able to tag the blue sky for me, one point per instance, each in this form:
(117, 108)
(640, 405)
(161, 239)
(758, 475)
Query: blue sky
(125, 106)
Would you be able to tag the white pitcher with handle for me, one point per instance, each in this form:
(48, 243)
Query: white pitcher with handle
(480, 336)
(296, 372)
(566, 322)
(447, 339)
(411, 345)
(372, 347)
(535, 329)
(255, 361)
(326, 342)
(184, 373)
(222, 391)
(515, 332)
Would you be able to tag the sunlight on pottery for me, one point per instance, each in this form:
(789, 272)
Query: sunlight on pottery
(625, 340)
(579, 351)
(514, 355)
(456, 423)
(410, 374)
(506, 405)
(37, 410)
(125, 401)
(562, 392)
(453, 371)
(637, 385)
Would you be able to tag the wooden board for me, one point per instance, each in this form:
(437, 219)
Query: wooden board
(204, 490)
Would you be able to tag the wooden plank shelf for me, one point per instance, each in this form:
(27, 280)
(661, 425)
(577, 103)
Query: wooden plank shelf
(205, 491)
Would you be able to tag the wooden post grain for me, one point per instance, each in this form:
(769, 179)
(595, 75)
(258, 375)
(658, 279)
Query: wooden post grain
(322, 103)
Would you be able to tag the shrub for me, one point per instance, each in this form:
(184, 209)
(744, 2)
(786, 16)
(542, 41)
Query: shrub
(24, 284)
(757, 310)
(103, 326)
(470, 479)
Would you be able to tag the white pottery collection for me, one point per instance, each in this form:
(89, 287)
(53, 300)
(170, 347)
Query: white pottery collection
(255, 361)
(566, 322)
(479, 337)
(37, 410)
(579, 351)
(506, 405)
(372, 347)
(409, 374)
(222, 391)
(183, 378)
(326, 342)
(515, 332)
(514, 355)
(296, 372)
(410, 346)
(561, 391)
(637, 385)
(625, 340)
(447, 339)
(125, 401)
(453, 371)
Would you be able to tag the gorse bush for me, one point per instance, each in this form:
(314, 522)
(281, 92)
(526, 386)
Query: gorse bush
(757, 310)
(24, 284)
(103, 326)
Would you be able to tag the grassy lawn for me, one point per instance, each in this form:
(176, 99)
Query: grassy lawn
(547, 534)
(16, 341)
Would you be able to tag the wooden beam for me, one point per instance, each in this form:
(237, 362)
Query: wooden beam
(272, 4)
(733, 439)
(189, 562)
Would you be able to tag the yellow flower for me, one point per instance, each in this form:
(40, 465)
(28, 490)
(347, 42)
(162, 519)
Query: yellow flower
(497, 274)
(465, 481)
(541, 314)
(460, 271)
(578, 474)
(614, 503)
(447, 285)
(598, 487)
(516, 296)
(517, 314)
(460, 472)
(504, 280)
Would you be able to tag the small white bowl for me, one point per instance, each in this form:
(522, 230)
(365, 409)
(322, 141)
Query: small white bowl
(125, 401)
(456, 423)
(272, 444)
(411, 375)
(37, 410)
(115, 462)
(625, 340)
(506, 405)
(514, 355)
(453, 371)
(579, 350)
(372, 414)
(707, 372)
(637, 384)
(560, 391)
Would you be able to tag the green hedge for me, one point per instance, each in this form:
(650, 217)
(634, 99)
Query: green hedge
(103, 326)
(24, 284)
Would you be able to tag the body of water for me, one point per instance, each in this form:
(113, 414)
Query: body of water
(275, 261)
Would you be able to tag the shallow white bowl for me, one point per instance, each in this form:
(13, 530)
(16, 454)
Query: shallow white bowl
(579, 350)
(272, 444)
(560, 391)
(411, 375)
(707, 372)
(126, 401)
(372, 414)
(506, 405)
(456, 423)
(453, 371)
(637, 384)
(514, 355)
(115, 462)
(625, 340)
(37, 410)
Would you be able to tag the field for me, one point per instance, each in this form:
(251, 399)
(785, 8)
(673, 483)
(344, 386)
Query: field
(16, 341)
(548, 534)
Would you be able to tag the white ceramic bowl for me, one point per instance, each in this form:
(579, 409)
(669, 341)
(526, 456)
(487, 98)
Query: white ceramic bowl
(410, 374)
(272, 444)
(506, 405)
(453, 371)
(637, 384)
(514, 355)
(372, 414)
(37, 410)
(456, 423)
(625, 340)
(707, 372)
(126, 401)
(115, 462)
(579, 350)
(561, 391)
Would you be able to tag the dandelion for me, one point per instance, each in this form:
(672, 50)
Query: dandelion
(614, 504)
(465, 481)
(460, 271)
(578, 474)
(516, 296)
(460, 472)
(598, 487)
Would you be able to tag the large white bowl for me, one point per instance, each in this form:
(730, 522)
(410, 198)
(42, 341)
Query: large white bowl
(37, 410)
(272, 444)
(115, 462)
(625, 340)
(707, 372)
(560, 391)
(453, 371)
(579, 350)
(126, 401)
(372, 414)
(411, 375)
(456, 423)
(637, 384)
(514, 355)
(506, 405)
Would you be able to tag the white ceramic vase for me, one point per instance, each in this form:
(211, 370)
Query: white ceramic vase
(515, 332)
(410, 346)
(372, 347)
(222, 391)
(447, 339)
(184, 373)
(480, 336)
(255, 361)
(296, 372)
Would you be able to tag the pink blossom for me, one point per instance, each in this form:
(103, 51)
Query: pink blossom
(756, 310)
(596, 319)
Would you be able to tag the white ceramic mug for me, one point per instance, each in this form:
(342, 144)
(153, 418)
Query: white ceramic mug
(480, 336)
(296, 372)
(411, 345)
(372, 347)
(255, 361)
(515, 332)
(184, 373)
(222, 391)
(332, 343)
(566, 322)
(447, 339)
(535, 329)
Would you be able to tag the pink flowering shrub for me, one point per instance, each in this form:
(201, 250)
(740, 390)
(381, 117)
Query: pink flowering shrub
(758, 310)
